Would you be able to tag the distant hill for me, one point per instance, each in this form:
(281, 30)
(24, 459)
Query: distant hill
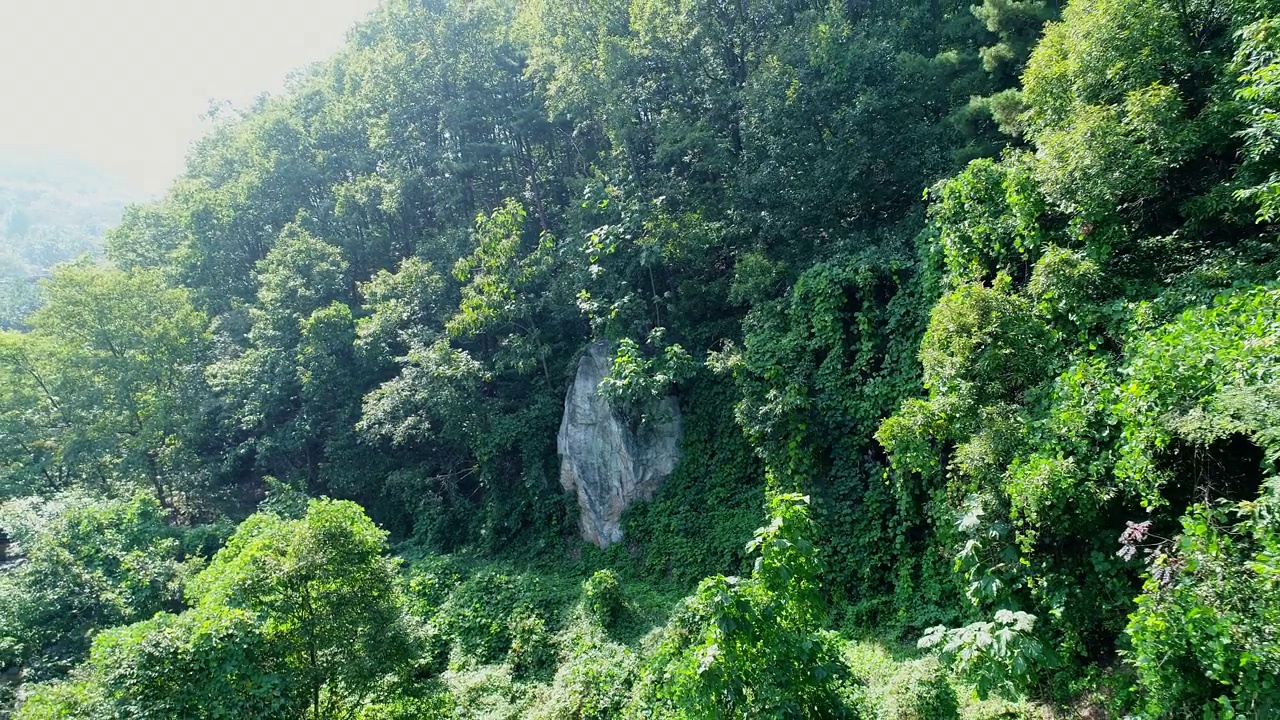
(52, 209)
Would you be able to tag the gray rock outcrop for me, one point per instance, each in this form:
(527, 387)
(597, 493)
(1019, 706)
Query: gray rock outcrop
(606, 462)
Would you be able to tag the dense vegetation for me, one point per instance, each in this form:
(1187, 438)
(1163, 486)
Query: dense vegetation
(972, 309)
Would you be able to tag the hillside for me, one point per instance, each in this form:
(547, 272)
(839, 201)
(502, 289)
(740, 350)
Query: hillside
(962, 321)
(52, 209)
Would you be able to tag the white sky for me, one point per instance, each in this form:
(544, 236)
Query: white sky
(122, 83)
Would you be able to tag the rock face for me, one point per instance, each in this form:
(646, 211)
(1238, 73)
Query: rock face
(602, 459)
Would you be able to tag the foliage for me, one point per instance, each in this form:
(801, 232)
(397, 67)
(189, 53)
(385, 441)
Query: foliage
(1089, 358)
(990, 218)
(83, 565)
(1258, 89)
(1003, 652)
(398, 307)
(531, 648)
(105, 389)
(635, 380)
(912, 689)
(603, 596)
(484, 615)
(1204, 632)
(326, 597)
(293, 617)
(430, 699)
(376, 286)
(1187, 378)
(499, 287)
(596, 677)
(202, 663)
(817, 372)
(742, 647)
(695, 525)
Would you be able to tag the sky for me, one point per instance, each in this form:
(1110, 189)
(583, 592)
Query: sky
(122, 84)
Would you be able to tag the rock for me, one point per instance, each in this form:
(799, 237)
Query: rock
(606, 462)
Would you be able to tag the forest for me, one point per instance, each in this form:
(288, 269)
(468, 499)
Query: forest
(52, 209)
(970, 315)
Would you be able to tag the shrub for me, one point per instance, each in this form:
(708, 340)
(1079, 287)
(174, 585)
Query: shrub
(604, 598)
(489, 692)
(751, 648)
(87, 564)
(426, 700)
(203, 663)
(594, 683)
(984, 341)
(61, 701)
(999, 654)
(915, 689)
(532, 648)
(477, 615)
(1206, 632)
(325, 594)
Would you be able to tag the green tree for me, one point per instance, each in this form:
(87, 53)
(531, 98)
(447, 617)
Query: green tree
(326, 597)
(292, 618)
(1203, 638)
(110, 373)
(399, 310)
(292, 379)
(502, 290)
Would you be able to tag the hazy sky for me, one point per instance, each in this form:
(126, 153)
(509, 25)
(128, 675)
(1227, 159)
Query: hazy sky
(122, 83)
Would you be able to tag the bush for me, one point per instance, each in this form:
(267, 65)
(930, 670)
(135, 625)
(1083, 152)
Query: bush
(61, 701)
(292, 616)
(751, 648)
(594, 684)
(199, 664)
(999, 654)
(604, 598)
(427, 700)
(87, 564)
(1206, 632)
(985, 342)
(596, 676)
(532, 649)
(477, 616)
(489, 692)
(916, 689)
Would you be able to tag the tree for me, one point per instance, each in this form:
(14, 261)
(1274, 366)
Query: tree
(1093, 355)
(324, 594)
(292, 618)
(503, 287)
(110, 371)
(299, 331)
(399, 310)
